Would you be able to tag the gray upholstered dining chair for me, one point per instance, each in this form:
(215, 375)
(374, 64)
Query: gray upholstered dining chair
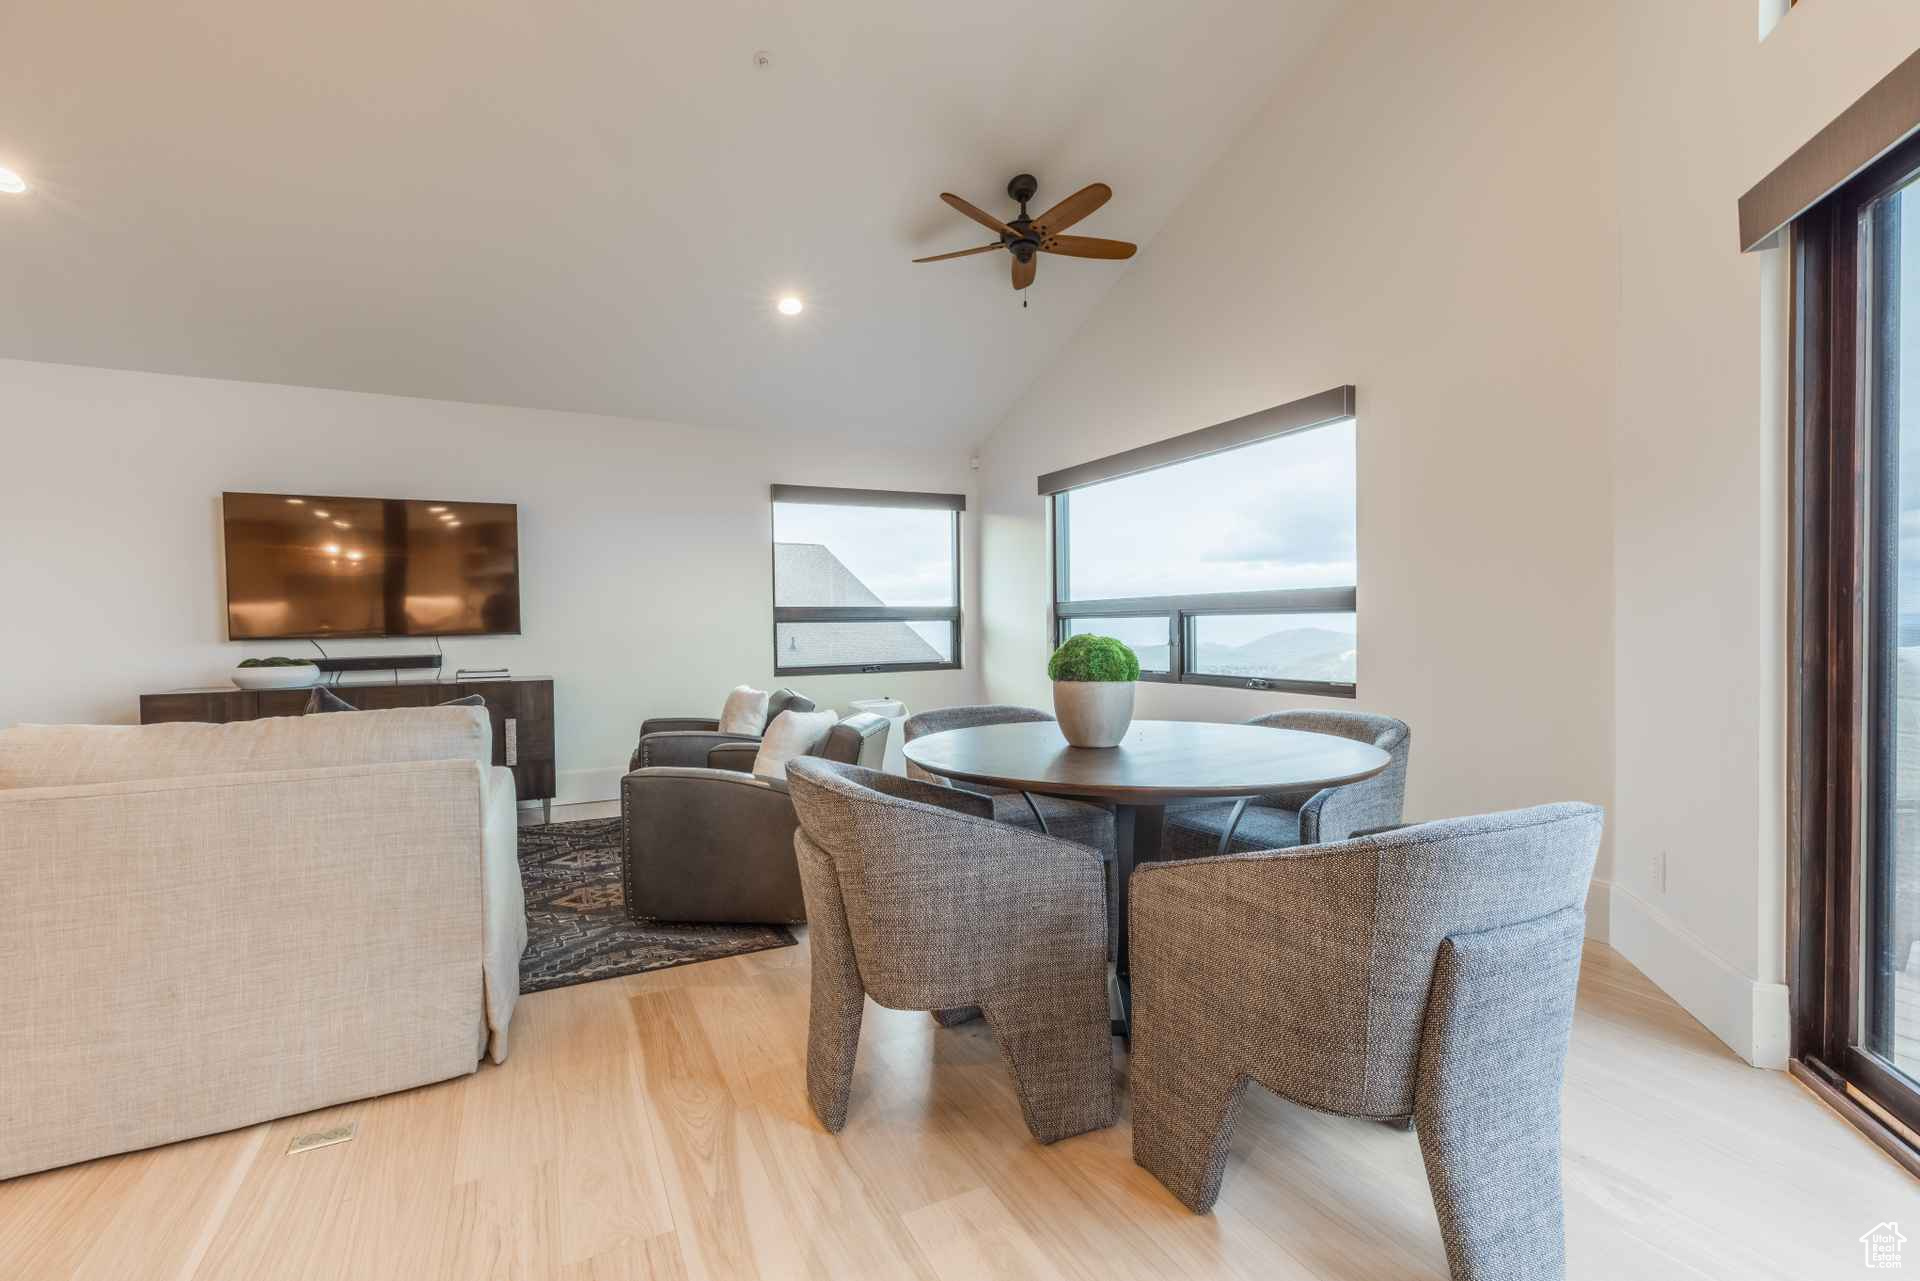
(686, 740)
(1310, 817)
(1427, 972)
(1069, 820)
(917, 898)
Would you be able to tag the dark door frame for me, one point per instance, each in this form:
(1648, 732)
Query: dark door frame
(1841, 470)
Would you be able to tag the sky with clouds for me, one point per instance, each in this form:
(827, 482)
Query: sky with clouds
(1279, 514)
(1265, 517)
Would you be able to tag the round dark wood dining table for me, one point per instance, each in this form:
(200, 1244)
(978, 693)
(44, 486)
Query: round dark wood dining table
(1156, 764)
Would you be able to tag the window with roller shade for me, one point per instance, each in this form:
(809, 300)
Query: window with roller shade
(1226, 556)
(865, 580)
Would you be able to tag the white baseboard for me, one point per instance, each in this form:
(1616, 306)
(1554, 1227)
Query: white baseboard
(1750, 1016)
(1599, 899)
(575, 786)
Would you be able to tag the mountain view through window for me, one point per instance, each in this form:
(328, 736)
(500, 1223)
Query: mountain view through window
(1235, 528)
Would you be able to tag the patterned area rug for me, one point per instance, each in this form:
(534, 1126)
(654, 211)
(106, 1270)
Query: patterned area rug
(577, 926)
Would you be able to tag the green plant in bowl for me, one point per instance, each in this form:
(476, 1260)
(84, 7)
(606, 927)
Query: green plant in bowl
(1093, 679)
(276, 662)
(1093, 658)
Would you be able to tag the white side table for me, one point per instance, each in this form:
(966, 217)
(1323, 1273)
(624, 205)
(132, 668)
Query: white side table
(896, 713)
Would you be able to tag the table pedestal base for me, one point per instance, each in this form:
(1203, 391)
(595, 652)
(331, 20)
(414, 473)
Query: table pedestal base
(1139, 835)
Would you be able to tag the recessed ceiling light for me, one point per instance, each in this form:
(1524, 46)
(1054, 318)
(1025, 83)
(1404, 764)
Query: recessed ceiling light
(436, 509)
(331, 549)
(453, 524)
(322, 512)
(341, 524)
(355, 555)
(791, 306)
(12, 183)
(298, 502)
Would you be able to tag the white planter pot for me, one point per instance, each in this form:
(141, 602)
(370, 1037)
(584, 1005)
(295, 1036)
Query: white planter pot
(298, 676)
(1093, 713)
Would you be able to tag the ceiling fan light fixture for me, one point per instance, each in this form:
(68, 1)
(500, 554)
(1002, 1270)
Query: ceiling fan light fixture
(1025, 237)
(12, 183)
(790, 305)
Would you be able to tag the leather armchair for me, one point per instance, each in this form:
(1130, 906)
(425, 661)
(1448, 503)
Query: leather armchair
(714, 844)
(686, 740)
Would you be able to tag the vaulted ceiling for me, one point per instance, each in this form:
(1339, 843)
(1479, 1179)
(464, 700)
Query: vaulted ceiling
(593, 206)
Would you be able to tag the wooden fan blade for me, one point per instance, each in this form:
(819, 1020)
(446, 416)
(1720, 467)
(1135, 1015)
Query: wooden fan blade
(962, 253)
(1073, 208)
(1023, 272)
(1087, 247)
(980, 216)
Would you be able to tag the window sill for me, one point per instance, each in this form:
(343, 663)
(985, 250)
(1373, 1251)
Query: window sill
(1261, 684)
(1273, 685)
(870, 669)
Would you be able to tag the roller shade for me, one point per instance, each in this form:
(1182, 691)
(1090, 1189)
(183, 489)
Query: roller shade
(1884, 117)
(828, 496)
(1325, 407)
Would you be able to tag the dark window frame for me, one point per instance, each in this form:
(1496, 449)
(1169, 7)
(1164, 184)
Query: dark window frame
(1183, 612)
(896, 500)
(1062, 623)
(1843, 480)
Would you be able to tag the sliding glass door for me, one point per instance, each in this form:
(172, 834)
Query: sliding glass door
(1856, 909)
(1889, 964)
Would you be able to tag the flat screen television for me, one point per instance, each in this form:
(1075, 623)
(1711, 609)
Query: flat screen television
(313, 566)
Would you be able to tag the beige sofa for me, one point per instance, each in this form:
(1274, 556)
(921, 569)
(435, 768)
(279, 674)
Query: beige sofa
(207, 926)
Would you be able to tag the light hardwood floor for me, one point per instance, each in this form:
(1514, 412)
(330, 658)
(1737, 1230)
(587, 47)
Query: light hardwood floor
(656, 1127)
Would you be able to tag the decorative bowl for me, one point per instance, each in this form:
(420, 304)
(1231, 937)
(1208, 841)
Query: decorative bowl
(291, 676)
(1093, 713)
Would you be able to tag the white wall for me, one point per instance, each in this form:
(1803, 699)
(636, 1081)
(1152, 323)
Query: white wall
(1699, 498)
(1400, 217)
(1512, 226)
(645, 561)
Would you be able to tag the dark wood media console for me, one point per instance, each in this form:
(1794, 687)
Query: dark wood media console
(521, 708)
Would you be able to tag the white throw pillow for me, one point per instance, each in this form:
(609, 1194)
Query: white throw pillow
(791, 734)
(745, 712)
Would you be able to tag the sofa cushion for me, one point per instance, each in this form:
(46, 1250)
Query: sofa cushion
(324, 699)
(787, 700)
(64, 755)
(792, 734)
(745, 711)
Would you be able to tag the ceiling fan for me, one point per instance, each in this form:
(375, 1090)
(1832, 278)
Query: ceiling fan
(1023, 237)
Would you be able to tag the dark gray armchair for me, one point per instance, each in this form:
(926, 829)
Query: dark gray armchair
(715, 844)
(1306, 817)
(919, 900)
(686, 740)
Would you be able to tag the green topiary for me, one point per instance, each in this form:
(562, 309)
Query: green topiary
(1093, 658)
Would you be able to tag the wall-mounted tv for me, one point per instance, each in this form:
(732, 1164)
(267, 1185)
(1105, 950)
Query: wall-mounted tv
(313, 566)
